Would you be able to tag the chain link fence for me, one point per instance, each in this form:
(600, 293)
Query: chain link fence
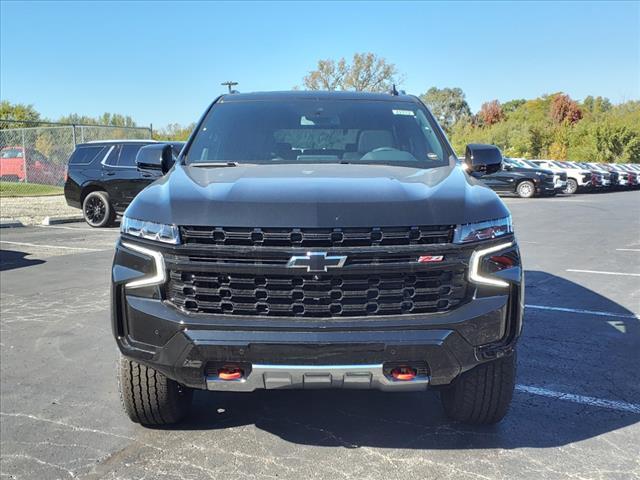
(34, 155)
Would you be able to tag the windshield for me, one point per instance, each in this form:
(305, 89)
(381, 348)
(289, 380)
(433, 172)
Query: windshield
(529, 164)
(11, 153)
(516, 163)
(319, 131)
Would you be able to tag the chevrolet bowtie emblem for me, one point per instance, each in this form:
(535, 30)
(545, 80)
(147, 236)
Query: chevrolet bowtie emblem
(317, 261)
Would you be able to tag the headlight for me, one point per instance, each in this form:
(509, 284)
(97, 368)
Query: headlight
(477, 256)
(150, 230)
(159, 277)
(475, 232)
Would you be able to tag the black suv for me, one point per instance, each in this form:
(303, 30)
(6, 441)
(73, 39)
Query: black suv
(317, 240)
(102, 178)
(525, 182)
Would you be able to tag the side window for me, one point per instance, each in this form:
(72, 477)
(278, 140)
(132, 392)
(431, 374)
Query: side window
(86, 155)
(112, 159)
(128, 155)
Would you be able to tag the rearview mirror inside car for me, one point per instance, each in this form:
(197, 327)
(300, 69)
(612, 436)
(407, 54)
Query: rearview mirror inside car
(482, 159)
(158, 157)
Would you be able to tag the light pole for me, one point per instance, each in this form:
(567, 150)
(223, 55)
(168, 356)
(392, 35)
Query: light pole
(229, 84)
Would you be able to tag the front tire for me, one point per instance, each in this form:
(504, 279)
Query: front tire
(97, 209)
(526, 189)
(572, 186)
(482, 395)
(149, 397)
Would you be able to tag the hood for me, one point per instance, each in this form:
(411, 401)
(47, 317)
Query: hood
(316, 196)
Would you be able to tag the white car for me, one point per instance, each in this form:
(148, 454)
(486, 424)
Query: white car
(577, 177)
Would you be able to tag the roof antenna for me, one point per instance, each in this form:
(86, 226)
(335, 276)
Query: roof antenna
(393, 91)
(230, 84)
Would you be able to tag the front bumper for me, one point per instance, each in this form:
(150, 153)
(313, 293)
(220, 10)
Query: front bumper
(546, 187)
(352, 352)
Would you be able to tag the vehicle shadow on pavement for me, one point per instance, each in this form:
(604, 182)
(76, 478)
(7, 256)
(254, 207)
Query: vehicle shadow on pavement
(11, 260)
(575, 353)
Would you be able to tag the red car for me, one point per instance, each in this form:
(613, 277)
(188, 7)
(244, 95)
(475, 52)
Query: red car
(19, 164)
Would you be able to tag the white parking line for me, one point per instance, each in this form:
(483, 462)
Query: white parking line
(579, 310)
(627, 249)
(79, 229)
(604, 273)
(570, 397)
(51, 246)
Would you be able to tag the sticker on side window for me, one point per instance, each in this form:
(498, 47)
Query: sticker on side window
(408, 113)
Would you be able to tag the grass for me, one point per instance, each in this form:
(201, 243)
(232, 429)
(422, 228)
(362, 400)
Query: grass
(13, 189)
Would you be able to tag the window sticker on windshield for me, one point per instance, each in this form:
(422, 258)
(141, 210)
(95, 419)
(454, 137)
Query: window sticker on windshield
(408, 113)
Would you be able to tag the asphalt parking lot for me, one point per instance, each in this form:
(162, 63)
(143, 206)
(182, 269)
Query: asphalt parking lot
(575, 414)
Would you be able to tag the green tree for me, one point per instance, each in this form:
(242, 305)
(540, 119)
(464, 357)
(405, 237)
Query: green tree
(596, 105)
(18, 112)
(367, 72)
(606, 133)
(512, 105)
(174, 132)
(449, 105)
(110, 119)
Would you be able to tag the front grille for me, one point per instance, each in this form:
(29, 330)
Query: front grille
(586, 177)
(316, 237)
(325, 295)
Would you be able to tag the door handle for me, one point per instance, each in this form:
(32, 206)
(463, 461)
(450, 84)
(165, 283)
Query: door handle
(110, 174)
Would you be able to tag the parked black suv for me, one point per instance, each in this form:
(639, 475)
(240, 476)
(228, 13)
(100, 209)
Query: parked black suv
(102, 178)
(523, 181)
(317, 240)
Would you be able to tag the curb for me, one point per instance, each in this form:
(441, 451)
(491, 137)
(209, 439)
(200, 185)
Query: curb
(58, 220)
(10, 223)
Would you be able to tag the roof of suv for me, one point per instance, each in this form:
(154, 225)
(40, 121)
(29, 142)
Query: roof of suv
(113, 142)
(315, 94)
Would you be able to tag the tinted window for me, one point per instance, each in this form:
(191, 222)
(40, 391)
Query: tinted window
(86, 155)
(319, 131)
(112, 159)
(128, 155)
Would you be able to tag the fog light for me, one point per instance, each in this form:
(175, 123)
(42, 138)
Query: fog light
(404, 374)
(230, 373)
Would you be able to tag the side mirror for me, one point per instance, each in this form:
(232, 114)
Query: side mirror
(482, 159)
(156, 157)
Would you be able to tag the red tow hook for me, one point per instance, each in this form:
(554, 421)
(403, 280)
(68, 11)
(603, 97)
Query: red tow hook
(404, 373)
(230, 373)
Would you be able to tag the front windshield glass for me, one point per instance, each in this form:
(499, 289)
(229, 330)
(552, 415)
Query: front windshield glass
(529, 164)
(517, 163)
(319, 131)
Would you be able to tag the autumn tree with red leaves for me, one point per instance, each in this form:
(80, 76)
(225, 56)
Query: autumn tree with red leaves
(491, 112)
(563, 109)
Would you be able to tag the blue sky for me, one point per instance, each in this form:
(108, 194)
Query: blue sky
(163, 62)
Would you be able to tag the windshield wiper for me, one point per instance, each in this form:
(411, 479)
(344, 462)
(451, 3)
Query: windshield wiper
(214, 164)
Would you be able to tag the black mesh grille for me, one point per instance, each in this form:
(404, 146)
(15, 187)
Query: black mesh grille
(317, 237)
(309, 295)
